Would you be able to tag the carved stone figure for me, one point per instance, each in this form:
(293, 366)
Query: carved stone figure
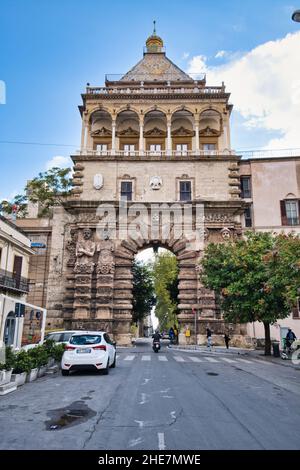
(106, 264)
(226, 233)
(85, 250)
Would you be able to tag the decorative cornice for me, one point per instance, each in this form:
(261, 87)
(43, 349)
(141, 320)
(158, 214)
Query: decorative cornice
(208, 131)
(103, 132)
(129, 132)
(182, 131)
(155, 132)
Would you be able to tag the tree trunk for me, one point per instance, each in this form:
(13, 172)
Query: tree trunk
(267, 339)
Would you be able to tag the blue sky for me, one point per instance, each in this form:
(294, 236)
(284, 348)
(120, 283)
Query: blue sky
(50, 49)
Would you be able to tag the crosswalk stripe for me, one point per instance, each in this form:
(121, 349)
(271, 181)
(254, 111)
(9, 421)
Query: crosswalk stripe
(244, 360)
(195, 359)
(129, 358)
(227, 360)
(211, 359)
(162, 358)
(179, 359)
(146, 358)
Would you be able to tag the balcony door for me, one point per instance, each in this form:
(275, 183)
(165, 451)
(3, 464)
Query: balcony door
(17, 270)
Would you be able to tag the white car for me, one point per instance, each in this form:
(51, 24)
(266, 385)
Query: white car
(86, 350)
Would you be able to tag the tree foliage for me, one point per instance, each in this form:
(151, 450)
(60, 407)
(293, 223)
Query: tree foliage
(165, 272)
(48, 189)
(257, 278)
(143, 290)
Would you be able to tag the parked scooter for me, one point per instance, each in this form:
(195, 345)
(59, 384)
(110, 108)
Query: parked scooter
(156, 346)
(288, 351)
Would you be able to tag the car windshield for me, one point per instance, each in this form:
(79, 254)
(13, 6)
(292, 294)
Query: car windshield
(80, 340)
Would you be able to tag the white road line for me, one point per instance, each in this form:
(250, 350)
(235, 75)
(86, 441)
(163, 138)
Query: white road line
(211, 359)
(179, 359)
(261, 361)
(195, 359)
(162, 358)
(244, 360)
(161, 441)
(130, 357)
(117, 356)
(227, 360)
(146, 358)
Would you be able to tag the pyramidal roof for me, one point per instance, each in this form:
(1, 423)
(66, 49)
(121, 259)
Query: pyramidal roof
(155, 66)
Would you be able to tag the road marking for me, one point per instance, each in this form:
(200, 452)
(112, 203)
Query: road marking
(146, 358)
(262, 361)
(195, 359)
(244, 360)
(179, 359)
(117, 356)
(227, 360)
(161, 441)
(162, 358)
(211, 359)
(130, 357)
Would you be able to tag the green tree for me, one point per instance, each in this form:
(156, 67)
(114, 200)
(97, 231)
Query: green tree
(256, 278)
(143, 290)
(49, 189)
(165, 271)
(18, 206)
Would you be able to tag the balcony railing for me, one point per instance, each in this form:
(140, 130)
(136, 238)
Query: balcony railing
(154, 153)
(10, 281)
(141, 90)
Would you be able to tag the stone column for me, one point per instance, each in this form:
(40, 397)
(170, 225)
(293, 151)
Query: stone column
(197, 146)
(141, 141)
(113, 137)
(169, 138)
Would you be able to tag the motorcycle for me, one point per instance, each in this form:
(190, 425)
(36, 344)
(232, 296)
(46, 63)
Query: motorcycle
(156, 346)
(288, 351)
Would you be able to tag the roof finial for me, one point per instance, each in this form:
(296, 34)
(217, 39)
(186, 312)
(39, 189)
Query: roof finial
(154, 28)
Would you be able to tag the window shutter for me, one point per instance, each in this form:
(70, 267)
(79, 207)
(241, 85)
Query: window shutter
(283, 213)
(295, 312)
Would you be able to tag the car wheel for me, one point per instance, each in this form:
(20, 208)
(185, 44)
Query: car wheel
(114, 363)
(106, 370)
(64, 372)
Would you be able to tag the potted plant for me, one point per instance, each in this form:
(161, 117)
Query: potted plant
(41, 360)
(22, 367)
(7, 368)
(49, 347)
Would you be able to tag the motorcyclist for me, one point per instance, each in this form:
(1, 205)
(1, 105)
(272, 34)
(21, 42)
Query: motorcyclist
(156, 337)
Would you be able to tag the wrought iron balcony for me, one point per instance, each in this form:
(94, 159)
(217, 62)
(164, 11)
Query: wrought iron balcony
(10, 281)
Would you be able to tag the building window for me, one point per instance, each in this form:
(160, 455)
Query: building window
(101, 148)
(246, 187)
(129, 149)
(289, 212)
(181, 149)
(155, 149)
(126, 190)
(209, 147)
(185, 188)
(248, 217)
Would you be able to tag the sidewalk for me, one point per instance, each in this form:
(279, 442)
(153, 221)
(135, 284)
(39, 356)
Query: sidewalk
(255, 353)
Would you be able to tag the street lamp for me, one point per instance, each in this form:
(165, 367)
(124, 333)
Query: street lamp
(296, 16)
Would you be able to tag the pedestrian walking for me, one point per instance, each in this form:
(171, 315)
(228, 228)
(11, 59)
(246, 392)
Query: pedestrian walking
(187, 335)
(172, 335)
(226, 339)
(209, 338)
(175, 334)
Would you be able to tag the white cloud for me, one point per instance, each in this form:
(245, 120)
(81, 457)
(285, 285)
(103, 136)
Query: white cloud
(265, 87)
(185, 55)
(59, 161)
(221, 54)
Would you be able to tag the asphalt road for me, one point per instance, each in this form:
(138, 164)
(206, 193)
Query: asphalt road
(172, 400)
